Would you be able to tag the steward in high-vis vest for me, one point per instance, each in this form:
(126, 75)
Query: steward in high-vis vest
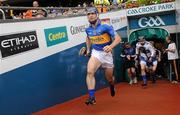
(102, 5)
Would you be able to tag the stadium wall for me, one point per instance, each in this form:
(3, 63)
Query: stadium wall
(40, 65)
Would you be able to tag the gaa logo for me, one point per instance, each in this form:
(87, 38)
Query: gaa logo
(150, 21)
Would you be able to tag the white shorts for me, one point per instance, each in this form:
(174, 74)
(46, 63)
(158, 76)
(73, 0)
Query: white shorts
(106, 59)
(145, 63)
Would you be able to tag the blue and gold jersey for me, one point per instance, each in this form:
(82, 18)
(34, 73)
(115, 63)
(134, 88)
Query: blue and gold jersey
(100, 36)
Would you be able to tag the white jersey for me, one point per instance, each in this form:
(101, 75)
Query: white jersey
(147, 47)
(172, 55)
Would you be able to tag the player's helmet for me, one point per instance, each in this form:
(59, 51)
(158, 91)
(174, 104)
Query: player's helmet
(141, 38)
(92, 10)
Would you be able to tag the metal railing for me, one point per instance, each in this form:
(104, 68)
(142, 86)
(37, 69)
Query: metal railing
(47, 9)
(3, 14)
(22, 8)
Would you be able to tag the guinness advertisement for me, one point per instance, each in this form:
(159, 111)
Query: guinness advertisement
(78, 29)
(18, 43)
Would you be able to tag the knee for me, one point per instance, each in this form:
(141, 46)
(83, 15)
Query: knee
(153, 70)
(110, 80)
(142, 69)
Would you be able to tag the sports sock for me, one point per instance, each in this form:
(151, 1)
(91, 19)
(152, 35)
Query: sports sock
(144, 79)
(91, 93)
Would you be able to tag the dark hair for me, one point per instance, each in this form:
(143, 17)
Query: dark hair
(126, 43)
(169, 38)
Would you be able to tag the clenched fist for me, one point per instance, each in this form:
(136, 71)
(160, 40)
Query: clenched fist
(107, 49)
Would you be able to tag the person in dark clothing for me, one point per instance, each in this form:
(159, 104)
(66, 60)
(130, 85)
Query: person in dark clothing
(129, 55)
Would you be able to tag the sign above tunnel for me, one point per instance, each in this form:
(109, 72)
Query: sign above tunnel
(151, 9)
(152, 21)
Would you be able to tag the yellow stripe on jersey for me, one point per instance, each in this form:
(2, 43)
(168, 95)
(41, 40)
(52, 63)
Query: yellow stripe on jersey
(101, 39)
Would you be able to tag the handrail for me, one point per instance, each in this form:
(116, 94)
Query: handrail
(39, 8)
(24, 8)
(4, 17)
(45, 9)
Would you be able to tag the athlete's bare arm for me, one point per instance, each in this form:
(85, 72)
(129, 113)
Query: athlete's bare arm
(116, 41)
(88, 44)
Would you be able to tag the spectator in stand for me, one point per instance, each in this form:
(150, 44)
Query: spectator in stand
(91, 4)
(34, 13)
(8, 13)
(17, 16)
(101, 5)
(84, 5)
(117, 1)
(1, 4)
(163, 1)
